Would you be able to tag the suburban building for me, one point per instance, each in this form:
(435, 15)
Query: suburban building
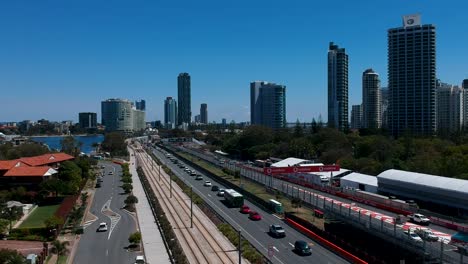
(337, 87)
(412, 78)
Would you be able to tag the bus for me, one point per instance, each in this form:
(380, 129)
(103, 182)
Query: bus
(276, 206)
(233, 198)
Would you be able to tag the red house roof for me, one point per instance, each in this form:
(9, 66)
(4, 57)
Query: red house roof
(46, 159)
(25, 171)
(8, 164)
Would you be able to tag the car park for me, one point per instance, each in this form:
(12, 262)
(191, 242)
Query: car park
(302, 248)
(253, 215)
(220, 193)
(277, 230)
(102, 227)
(199, 178)
(207, 184)
(214, 188)
(245, 209)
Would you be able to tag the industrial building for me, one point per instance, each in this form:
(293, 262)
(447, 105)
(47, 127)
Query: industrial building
(359, 181)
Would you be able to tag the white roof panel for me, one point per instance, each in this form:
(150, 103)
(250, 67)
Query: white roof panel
(361, 178)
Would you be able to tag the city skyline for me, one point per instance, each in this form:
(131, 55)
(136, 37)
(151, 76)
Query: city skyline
(54, 59)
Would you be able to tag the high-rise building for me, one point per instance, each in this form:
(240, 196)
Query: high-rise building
(223, 122)
(198, 119)
(356, 116)
(120, 115)
(370, 100)
(412, 78)
(140, 105)
(87, 120)
(184, 98)
(465, 104)
(204, 113)
(170, 113)
(337, 87)
(384, 106)
(449, 109)
(269, 104)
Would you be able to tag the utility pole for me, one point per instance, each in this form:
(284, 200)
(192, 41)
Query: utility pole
(159, 172)
(170, 185)
(240, 248)
(191, 208)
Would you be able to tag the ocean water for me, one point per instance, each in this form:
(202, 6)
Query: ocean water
(54, 142)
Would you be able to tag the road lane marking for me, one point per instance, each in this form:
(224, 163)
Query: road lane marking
(277, 250)
(209, 195)
(291, 244)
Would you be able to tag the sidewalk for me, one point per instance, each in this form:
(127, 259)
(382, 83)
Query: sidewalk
(153, 245)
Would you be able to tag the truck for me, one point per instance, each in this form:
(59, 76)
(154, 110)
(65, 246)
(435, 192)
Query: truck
(419, 219)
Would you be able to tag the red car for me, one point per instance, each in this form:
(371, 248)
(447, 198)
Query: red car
(255, 216)
(245, 209)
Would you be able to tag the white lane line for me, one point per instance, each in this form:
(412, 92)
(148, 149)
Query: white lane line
(277, 217)
(277, 250)
(291, 244)
(107, 252)
(209, 195)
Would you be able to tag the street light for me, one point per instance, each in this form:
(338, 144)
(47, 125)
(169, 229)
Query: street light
(191, 208)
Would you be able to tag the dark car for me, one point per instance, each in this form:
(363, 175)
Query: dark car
(214, 188)
(302, 248)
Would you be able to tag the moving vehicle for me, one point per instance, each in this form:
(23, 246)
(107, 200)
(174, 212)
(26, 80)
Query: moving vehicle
(193, 173)
(111, 173)
(98, 184)
(233, 198)
(277, 231)
(207, 184)
(413, 236)
(302, 248)
(199, 178)
(140, 260)
(102, 227)
(253, 215)
(103, 167)
(245, 209)
(426, 234)
(419, 219)
(214, 188)
(220, 192)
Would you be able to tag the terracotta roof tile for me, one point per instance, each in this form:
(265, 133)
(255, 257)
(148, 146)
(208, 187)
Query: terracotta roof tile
(8, 164)
(47, 159)
(23, 171)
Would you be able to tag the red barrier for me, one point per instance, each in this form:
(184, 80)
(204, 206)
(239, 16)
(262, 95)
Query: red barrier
(343, 253)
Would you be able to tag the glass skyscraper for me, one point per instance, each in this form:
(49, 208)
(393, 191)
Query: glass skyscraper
(268, 104)
(370, 100)
(337, 87)
(184, 98)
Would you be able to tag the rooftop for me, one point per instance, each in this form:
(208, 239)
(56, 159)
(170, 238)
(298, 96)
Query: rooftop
(361, 178)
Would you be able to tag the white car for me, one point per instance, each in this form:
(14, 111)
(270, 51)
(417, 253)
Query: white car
(221, 193)
(419, 219)
(413, 236)
(207, 184)
(102, 227)
(140, 260)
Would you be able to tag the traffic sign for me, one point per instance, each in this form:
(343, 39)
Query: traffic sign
(298, 169)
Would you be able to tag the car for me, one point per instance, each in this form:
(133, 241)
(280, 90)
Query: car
(99, 179)
(102, 227)
(302, 248)
(419, 219)
(187, 170)
(277, 230)
(413, 236)
(140, 260)
(199, 178)
(245, 209)
(103, 167)
(253, 215)
(193, 173)
(111, 173)
(220, 193)
(214, 188)
(98, 184)
(207, 184)
(426, 234)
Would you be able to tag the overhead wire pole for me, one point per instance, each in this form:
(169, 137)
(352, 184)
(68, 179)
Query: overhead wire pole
(240, 248)
(191, 208)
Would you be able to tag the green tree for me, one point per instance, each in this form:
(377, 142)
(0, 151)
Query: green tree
(60, 248)
(8, 256)
(53, 222)
(70, 174)
(127, 187)
(71, 146)
(54, 186)
(130, 201)
(114, 143)
(134, 238)
(298, 130)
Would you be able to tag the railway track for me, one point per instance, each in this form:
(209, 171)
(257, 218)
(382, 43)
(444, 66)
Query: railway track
(199, 244)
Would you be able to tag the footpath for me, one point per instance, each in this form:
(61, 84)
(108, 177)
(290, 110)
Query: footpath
(153, 245)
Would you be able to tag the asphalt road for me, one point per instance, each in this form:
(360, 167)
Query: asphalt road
(256, 231)
(278, 182)
(108, 247)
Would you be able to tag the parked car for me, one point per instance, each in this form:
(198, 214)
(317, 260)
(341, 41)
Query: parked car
(302, 248)
(277, 230)
(207, 184)
(245, 209)
(140, 260)
(413, 236)
(199, 178)
(419, 219)
(102, 227)
(253, 215)
(98, 184)
(221, 193)
(426, 234)
(214, 188)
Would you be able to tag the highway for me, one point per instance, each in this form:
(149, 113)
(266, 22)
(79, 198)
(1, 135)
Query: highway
(256, 232)
(108, 247)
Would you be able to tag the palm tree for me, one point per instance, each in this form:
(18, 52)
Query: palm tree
(60, 248)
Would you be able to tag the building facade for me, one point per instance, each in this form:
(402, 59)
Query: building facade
(371, 117)
(384, 107)
(204, 114)
(184, 99)
(170, 113)
(269, 104)
(121, 115)
(87, 120)
(465, 104)
(140, 105)
(337, 87)
(412, 78)
(449, 109)
(356, 116)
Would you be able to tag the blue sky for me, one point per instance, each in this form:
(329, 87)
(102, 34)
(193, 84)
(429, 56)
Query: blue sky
(58, 58)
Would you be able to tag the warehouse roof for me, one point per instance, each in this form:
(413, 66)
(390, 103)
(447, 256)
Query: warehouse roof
(432, 181)
(361, 178)
(291, 162)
